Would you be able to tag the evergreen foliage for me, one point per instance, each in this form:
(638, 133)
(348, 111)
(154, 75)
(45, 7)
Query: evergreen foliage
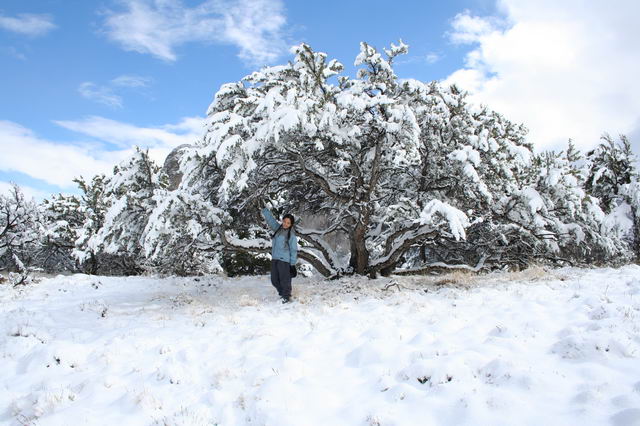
(20, 230)
(129, 197)
(384, 173)
(63, 219)
(610, 166)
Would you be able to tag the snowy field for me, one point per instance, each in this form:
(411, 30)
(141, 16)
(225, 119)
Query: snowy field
(530, 348)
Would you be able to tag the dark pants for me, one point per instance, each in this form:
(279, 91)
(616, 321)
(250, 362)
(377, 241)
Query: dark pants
(281, 278)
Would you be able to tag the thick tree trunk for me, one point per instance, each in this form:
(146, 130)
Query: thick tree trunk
(361, 253)
(353, 250)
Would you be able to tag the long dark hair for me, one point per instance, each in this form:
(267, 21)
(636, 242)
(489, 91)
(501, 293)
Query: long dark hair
(293, 222)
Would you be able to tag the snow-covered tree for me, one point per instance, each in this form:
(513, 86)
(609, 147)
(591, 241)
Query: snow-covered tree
(611, 177)
(379, 170)
(128, 199)
(610, 165)
(626, 219)
(180, 235)
(63, 219)
(572, 217)
(545, 216)
(387, 163)
(476, 160)
(20, 231)
(93, 207)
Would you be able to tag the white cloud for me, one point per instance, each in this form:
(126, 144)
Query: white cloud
(28, 24)
(131, 81)
(127, 135)
(468, 28)
(101, 94)
(158, 27)
(58, 163)
(432, 58)
(107, 95)
(565, 69)
(429, 58)
(55, 163)
(158, 140)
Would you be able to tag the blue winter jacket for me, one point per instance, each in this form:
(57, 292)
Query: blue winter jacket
(280, 248)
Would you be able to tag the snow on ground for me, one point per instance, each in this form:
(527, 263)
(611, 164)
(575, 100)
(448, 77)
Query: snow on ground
(556, 348)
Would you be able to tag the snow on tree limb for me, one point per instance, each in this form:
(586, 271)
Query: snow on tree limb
(457, 220)
(381, 173)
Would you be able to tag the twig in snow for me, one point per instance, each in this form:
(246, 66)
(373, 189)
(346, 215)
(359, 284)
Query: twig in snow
(391, 285)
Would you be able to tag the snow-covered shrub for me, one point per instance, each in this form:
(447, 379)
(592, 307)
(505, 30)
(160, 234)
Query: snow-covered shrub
(612, 178)
(610, 166)
(241, 263)
(568, 222)
(63, 219)
(380, 171)
(88, 250)
(360, 152)
(401, 171)
(180, 236)
(117, 210)
(129, 197)
(626, 217)
(93, 208)
(20, 231)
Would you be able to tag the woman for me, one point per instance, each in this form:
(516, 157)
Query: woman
(284, 252)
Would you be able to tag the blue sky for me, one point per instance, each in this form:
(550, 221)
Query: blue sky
(81, 81)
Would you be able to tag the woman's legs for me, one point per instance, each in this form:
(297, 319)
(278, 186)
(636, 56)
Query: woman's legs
(275, 276)
(281, 278)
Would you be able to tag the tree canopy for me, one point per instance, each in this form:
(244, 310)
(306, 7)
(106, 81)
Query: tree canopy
(382, 172)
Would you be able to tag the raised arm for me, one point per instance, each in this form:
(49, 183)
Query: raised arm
(271, 221)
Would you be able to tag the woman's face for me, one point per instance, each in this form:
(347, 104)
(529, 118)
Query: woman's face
(286, 223)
